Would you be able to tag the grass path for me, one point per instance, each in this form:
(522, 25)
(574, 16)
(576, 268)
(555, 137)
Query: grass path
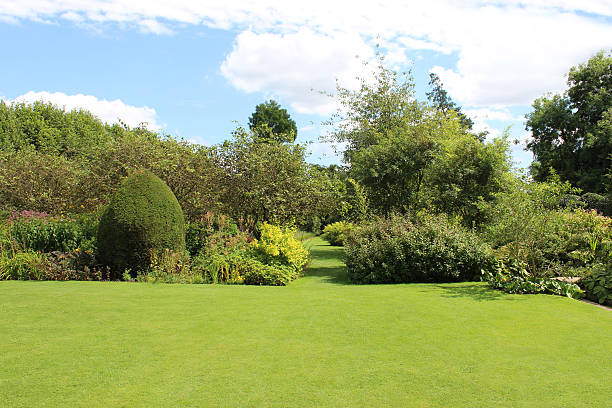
(319, 342)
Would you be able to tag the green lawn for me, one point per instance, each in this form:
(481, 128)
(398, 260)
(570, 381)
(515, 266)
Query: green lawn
(319, 342)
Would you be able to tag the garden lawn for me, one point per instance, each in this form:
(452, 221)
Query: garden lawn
(319, 342)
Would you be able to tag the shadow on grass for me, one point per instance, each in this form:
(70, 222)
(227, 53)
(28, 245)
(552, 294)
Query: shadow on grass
(479, 292)
(336, 275)
(326, 263)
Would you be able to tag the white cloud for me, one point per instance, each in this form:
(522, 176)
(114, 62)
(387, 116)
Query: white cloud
(484, 114)
(296, 66)
(509, 51)
(107, 111)
(154, 27)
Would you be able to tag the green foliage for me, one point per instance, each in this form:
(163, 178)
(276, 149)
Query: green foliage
(50, 129)
(527, 224)
(380, 104)
(142, 216)
(272, 123)
(443, 102)
(467, 173)
(393, 169)
(572, 132)
(426, 249)
(266, 181)
(598, 284)
(597, 202)
(42, 181)
(337, 232)
(41, 233)
(409, 155)
(222, 267)
(21, 265)
(168, 266)
(511, 276)
(257, 273)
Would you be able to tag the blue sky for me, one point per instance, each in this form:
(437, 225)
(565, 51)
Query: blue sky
(194, 68)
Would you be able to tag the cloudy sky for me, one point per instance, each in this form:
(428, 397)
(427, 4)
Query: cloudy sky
(196, 69)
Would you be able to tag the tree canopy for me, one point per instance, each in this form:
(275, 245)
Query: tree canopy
(402, 150)
(270, 122)
(572, 132)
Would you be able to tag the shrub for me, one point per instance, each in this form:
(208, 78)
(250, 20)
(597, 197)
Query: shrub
(594, 201)
(529, 224)
(336, 233)
(277, 246)
(73, 265)
(257, 273)
(142, 216)
(211, 227)
(511, 276)
(426, 249)
(598, 284)
(22, 266)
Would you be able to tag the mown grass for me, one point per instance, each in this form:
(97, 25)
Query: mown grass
(318, 342)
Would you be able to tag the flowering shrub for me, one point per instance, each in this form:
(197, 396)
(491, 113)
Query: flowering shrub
(73, 265)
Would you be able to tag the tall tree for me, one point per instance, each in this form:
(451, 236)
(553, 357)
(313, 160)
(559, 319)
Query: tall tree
(398, 147)
(443, 102)
(572, 132)
(270, 122)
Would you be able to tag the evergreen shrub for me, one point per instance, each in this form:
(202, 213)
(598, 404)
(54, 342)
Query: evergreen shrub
(142, 216)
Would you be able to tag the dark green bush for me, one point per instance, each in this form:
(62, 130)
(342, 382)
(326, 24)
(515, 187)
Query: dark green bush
(598, 284)
(594, 201)
(425, 249)
(142, 216)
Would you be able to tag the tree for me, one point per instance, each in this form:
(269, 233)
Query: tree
(262, 181)
(572, 132)
(443, 102)
(403, 151)
(467, 173)
(369, 113)
(271, 122)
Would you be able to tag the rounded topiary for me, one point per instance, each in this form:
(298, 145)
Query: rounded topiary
(142, 216)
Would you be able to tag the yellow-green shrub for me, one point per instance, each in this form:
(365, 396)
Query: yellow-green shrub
(336, 233)
(278, 246)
